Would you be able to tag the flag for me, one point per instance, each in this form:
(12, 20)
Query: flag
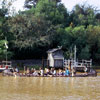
(6, 45)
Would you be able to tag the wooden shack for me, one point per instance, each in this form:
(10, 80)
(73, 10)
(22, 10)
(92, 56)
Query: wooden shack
(55, 58)
(4, 64)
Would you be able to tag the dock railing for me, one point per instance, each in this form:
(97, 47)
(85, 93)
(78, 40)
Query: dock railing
(6, 63)
(78, 63)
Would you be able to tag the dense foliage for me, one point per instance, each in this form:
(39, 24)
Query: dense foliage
(47, 24)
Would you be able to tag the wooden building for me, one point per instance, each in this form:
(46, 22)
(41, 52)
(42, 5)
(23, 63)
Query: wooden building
(55, 58)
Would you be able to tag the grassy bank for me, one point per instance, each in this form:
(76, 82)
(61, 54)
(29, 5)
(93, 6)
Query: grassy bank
(36, 67)
(96, 67)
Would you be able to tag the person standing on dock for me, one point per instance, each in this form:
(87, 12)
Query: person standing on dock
(85, 69)
(67, 73)
(41, 71)
(73, 71)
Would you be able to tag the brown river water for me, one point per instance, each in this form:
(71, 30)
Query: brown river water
(49, 88)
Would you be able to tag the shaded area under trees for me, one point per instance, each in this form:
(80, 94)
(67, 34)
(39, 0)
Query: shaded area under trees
(47, 24)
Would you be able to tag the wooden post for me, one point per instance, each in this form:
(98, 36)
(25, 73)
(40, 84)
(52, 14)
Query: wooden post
(42, 63)
(24, 69)
(91, 63)
(70, 65)
(47, 63)
(75, 56)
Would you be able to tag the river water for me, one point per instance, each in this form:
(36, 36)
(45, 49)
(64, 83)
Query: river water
(49, 88)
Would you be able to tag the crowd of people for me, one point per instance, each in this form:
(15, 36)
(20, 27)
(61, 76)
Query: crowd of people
(43, 72)
(11, 71)
(50, 72)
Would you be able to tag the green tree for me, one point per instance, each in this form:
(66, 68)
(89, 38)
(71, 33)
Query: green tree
(93, 33)
(57, 14)
(2, 22)
(29, 30)
(83, 15)
(32, 3)
(4, 16)
(37, 27)
(4, 51)
(47, 24)
(77, 36)
(85, 53)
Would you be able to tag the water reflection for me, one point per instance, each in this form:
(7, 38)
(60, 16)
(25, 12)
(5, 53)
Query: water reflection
(49, 88)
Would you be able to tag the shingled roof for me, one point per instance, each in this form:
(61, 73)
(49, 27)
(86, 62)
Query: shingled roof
(53, 50)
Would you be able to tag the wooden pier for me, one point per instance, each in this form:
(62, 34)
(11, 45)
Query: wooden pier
(79, 64)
